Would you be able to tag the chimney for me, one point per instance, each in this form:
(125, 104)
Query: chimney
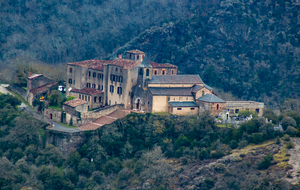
(29, 75)
(120, 56)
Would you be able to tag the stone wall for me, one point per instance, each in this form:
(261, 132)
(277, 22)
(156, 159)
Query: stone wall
(101, 112)
(56, 115)
(235, 106)
(66, 142)
(217, 108)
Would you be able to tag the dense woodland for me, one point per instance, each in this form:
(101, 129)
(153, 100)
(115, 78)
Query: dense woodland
(137, 151)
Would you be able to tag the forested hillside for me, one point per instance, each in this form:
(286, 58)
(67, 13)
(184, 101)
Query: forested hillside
(150, 151)
(251, 48)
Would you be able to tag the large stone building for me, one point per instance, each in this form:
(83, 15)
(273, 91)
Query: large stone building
(140, 84)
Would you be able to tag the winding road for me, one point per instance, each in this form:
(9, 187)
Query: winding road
(55, 126)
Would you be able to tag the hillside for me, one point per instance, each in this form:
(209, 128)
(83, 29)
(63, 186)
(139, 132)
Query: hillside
(250, 48)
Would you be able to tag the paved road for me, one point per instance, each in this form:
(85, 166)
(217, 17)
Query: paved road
(56, 126)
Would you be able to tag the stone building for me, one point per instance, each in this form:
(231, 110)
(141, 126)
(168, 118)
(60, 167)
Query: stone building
(73, 109)
(39, 86)
(139, 84)
(235, 106)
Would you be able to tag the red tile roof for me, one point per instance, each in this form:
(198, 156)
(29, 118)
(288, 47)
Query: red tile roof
(105, 120)
(43, 88)
(90, 126)
(161, 65)
(98, 64)
(135, 51)
(93, 64)
(88, 91)
(75, 102)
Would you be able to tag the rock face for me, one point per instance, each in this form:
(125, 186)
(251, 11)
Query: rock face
(66, 142)
(247, 47)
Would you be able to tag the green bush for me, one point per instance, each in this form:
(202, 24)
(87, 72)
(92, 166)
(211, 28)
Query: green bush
(289, 145)
(265, 164)
(286, 137)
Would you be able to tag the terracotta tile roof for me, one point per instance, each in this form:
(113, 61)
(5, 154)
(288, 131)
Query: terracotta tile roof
(105, 120)
(98, 64)
(171, 91)
(161, 65)
(43, 88)
(135, 51)
(90, 126)
(75, 102)
(175, 79)
(119, 113)
(92, 64)
(88, 91)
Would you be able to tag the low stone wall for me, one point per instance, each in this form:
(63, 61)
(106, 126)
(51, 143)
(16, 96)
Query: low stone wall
(101, 112)
(66, 142)
(56, 115)
(235, 106)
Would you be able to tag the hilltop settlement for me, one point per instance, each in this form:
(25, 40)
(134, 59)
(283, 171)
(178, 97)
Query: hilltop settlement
(102, 91)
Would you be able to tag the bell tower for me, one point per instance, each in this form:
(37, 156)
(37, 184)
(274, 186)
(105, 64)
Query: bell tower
(145, 71)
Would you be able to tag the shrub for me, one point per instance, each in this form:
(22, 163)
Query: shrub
(289, 145)
(219, 167)
(292, 131)
(217, 154)
(233, 144)
(286, 137)
(266, 162)
(203, 154)
(209, 182)
(277, 140)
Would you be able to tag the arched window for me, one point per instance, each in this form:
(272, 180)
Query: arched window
(155, 72)
(218, 106)
(172, 72)
(163, 72)
(137, 57)
(147, 72)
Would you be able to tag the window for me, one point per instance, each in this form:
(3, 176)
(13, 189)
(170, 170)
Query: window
(70, 70)
(85, 98)
(95, 99)
(94, 74)
(99, 76)
(116, 69)
(114, 77)
(147, 72)
(79, 96)
(94, 86)
(119, 90)
(172, 72)
(168, 98)
(88, 98)
(89, 73)
(120, 79)
(111, 77)
(155, 72)
(98, 87)
(178, 108)
(236, 111)
(70, 81)
(99, 99)
(203, 93)
(192, 108)
(137, 57)
(88, 85)
(218, 106)
(163, 72)
(111, 89)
